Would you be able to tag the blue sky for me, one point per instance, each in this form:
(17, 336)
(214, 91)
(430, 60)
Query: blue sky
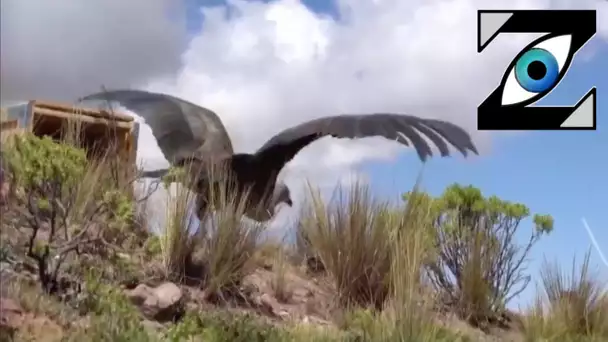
(558, 173)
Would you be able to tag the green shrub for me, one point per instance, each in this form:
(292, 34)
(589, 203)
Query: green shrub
(219, 327)
(61, 192)
(112, 316)
(480, 264)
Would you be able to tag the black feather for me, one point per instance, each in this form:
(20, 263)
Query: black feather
(405, 129)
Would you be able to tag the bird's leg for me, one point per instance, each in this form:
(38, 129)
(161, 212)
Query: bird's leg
(202, 213)
(202, 207)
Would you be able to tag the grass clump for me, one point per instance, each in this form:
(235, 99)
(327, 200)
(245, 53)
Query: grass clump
(223, 327)
(214, 253)
(228, 243)
(280, 281)
(112, 317)
(375, 253)
(175, 243)
(351, 242)
(573, 306)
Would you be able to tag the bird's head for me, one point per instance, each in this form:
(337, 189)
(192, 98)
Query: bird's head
(266, 209)
(280, 195)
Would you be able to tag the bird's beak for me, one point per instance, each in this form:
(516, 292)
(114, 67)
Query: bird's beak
(281, 195)
(155, 173)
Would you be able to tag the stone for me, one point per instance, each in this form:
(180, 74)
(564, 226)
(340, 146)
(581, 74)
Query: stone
(10, 316)
(162, 303)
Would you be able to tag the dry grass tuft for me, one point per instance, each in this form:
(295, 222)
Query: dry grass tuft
(350, 240)
(217, 252)
(574, 306)
(375, 253)
(280, 283)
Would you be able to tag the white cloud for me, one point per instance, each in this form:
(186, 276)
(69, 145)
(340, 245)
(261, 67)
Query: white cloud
(272, 65)
(267, 66)
(62, 49)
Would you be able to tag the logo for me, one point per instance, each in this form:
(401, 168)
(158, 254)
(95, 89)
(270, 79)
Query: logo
(536, 70)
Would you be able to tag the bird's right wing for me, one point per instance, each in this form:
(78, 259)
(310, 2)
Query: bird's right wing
(405, 129)
(182, 129)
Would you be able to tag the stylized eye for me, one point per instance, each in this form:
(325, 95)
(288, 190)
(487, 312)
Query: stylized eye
(537, 70)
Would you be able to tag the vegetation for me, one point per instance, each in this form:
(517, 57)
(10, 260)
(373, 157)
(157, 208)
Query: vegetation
(571, 306)
(360, 270)
(479, 266)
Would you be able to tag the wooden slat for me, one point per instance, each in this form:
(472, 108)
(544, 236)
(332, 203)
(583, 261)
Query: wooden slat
(125, 124)
(83, 111)
(8, 124)
(87, 119)
(7, 133)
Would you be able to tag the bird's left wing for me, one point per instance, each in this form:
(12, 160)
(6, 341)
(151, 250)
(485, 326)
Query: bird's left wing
(182, 129)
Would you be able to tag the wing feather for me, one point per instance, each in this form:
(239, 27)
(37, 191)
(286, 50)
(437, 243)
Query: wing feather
(434, 137)
(182, 129)
(405, 129)
(456, 136)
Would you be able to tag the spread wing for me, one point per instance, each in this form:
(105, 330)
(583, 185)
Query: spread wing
(182, 129)
(405, 129)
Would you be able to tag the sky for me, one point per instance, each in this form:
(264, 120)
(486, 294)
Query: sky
(264, 66)
(557, 173)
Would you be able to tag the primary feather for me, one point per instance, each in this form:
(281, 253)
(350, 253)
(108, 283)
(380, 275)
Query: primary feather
(182, 129)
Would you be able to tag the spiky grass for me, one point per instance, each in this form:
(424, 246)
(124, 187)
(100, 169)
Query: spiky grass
(176, 238)
(350, 240)
(375, 255)
(228, 240)
(280, 281)
(217, 250)
(574, 305)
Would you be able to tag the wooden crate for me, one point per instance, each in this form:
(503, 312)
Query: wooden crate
(98, 128)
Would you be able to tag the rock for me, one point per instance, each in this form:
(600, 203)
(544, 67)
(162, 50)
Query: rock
(152, 326)
(266, 304)
(314, 320)
(315, 265)
(139, 294)
(267, 265)
(4, 186)
(162, 303)
(123, 256)
(14, 321)
(284, 314)
(5, 266)
(10, 317)
(301, 295)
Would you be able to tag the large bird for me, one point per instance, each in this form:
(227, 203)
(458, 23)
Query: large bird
(188, 134)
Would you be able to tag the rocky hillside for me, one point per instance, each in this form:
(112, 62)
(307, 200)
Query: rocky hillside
(77, 263)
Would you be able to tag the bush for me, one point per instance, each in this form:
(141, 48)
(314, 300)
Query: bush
(223, 327)
(66, 202)
(480, 266)
(113, 317)
(374, 254)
